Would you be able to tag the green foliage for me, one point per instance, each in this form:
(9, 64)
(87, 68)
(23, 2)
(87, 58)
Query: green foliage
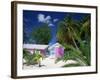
(74, 54)
(42, 34)
(31, 58)
(85, 29)
(71, 65)
(85, 48)
(75, 37)
(38, 56)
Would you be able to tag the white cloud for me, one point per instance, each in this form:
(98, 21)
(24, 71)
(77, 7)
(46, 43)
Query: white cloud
(55, 20)
(46, 19)
(50, 24)
(41, 18)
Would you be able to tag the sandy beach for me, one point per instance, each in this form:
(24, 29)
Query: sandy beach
(48, 63)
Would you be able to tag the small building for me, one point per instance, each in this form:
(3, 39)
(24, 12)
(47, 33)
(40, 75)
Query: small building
(36, 47)
(56, 50)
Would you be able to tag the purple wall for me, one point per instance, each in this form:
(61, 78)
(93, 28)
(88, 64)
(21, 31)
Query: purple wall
(59, 52)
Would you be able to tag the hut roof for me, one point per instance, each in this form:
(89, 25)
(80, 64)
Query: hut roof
(34, 46)
(55, 45)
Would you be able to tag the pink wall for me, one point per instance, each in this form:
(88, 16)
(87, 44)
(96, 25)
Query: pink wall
(59, 51)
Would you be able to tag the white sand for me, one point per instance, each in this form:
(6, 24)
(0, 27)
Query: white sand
(48, 63)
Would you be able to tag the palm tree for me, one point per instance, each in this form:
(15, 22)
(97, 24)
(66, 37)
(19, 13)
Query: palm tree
(70, 36)
(34, 58)
(67, 31)
(38, 57)
(85, 35)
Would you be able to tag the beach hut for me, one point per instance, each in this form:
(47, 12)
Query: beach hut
(36, 47)
(56, 50)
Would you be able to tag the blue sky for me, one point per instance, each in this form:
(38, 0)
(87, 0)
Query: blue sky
(32, 19)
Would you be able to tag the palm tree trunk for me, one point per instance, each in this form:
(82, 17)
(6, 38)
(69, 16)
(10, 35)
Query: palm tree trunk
(73, 39)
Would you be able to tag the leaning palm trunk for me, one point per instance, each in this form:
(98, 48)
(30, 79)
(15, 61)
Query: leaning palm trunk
(73, 39)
